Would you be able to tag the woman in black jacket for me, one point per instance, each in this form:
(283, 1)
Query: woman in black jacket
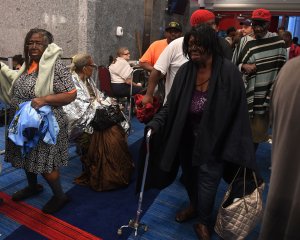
(203, 126)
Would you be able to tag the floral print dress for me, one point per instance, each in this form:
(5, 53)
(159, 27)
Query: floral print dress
(44, 158)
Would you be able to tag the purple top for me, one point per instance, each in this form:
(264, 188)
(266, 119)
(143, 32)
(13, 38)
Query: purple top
(197, 106)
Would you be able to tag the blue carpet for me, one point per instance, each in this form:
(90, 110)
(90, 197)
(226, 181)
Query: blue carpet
(100, 213)
(13, 179)
(160, 216)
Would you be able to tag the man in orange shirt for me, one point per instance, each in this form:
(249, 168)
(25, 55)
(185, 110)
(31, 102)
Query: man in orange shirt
(172, 31)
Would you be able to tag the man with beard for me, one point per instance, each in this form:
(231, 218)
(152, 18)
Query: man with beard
(260, 61)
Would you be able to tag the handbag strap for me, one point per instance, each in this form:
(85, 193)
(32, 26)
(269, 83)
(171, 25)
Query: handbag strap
(256, 184)
(244, 193)
(245, 172)
(245, 203)
(255, 179)
(230, 185)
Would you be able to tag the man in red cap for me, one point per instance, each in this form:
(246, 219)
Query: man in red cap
(260, 61)
(172, 57)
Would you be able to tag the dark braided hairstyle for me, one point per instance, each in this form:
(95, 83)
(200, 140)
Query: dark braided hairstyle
(48, 38)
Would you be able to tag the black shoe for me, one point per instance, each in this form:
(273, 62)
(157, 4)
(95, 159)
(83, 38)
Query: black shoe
(55, 204)
(27, 192)
(186, 214)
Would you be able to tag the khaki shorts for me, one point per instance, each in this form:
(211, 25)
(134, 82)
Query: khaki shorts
(260, 126)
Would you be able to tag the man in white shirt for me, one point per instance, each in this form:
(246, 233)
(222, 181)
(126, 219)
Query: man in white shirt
(168, 64)
(171, 59)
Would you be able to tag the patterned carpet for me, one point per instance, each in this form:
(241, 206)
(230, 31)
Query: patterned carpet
(14, 179)
(160, 215)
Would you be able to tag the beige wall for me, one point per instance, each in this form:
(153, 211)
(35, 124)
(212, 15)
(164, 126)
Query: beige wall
(77, 25)
(83, 25)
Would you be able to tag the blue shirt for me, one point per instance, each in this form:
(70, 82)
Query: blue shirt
(29, 126)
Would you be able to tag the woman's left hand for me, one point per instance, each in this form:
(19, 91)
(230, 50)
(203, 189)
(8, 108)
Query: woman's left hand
(37, 103)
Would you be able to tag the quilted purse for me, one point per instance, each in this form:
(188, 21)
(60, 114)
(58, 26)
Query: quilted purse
(236, 221)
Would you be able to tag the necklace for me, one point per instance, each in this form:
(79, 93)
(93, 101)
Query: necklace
(200, 84)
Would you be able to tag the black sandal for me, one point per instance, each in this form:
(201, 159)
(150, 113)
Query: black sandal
(27, 193)
(55, 204)
(186, 214)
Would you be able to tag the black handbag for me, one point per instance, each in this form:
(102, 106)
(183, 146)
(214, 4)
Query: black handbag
(107, 117)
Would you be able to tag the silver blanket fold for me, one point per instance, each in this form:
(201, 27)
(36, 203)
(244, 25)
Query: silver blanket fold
(82, 110)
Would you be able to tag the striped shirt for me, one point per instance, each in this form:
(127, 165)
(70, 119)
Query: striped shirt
(240, 46)
(269, 55)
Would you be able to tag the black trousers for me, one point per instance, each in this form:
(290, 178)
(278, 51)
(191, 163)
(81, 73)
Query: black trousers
(123, 89)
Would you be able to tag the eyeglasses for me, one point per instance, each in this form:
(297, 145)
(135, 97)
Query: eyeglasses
(35, 44)
(92, 65)
(126, 53)
(195, 47)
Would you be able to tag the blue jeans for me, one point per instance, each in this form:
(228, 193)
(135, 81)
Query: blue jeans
(201, 182)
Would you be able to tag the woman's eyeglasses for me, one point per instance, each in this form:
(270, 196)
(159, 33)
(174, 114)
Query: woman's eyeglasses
(92, 65)
(195, 47)
(126, 53)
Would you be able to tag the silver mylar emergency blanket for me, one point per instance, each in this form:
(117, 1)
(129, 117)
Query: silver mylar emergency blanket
(82, 110)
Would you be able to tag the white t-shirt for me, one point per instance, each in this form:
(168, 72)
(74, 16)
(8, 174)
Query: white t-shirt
(169, 61)
(288, 53)
(120, 70)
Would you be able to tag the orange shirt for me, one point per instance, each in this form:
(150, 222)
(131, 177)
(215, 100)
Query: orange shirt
(33, 67)
(153, 52)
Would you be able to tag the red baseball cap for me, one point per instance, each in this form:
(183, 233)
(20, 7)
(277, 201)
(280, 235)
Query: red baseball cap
(261, 14)
(201, 16)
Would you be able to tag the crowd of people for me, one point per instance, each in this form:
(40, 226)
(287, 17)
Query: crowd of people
(197, 121)
(218, 93)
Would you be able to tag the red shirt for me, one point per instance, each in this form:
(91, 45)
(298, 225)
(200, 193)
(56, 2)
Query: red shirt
(294, 51)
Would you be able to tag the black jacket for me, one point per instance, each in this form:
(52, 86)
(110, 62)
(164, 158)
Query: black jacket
(224, 131)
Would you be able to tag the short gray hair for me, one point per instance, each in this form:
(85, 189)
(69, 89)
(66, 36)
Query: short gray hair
(79, 61)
